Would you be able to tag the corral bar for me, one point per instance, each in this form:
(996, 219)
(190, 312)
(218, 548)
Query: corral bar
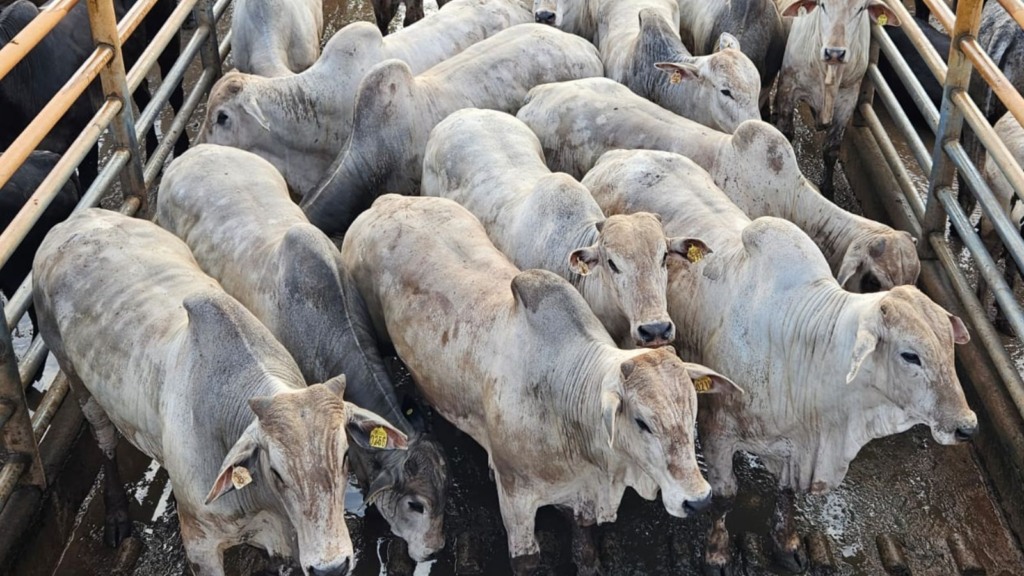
(33, 34)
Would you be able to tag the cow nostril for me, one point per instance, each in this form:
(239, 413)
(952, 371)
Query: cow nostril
(837, 54)
(965, 433)
(697, 506)
(545, 17)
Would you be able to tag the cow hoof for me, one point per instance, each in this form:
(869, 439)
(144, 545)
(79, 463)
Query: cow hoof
(116, 529)
(792, 560)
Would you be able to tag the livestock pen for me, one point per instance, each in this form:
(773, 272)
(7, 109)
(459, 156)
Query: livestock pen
(905, 510)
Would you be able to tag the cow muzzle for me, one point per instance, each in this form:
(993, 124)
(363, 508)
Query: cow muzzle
(833, 55)
(343, 568)
(655, 334)
(545, 17)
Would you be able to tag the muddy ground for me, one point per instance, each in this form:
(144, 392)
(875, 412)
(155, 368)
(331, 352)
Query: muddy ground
(904, 489)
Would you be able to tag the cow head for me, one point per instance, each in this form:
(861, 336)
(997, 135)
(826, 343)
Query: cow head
(630, 261)
(233, 114)
(546, 12)
(903, 358)
(650, 417)
(410, 495)
(880, 260)
(297, 448)
(727, 81)
(838, 22)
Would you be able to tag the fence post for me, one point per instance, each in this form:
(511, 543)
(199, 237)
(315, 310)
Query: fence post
(951, 120)
(210, 52)
(18, 441)
(104, 31)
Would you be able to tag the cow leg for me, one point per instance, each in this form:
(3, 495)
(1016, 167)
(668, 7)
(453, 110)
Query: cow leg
(830, 156)
(786, 545)
(142, 99)
(785, 103)
(177, 97)
(413, 12)
(117, 526)
(718, 554)
(519, 517)
(384, 12)
(584, 546)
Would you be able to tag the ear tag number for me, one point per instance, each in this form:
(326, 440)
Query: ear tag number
(676, 77)
(240, 477)
(378, 438)
(694, 254)
(882, 19)
(702, 384)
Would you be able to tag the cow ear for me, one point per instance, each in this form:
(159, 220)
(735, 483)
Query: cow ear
(679, 71)
(793, 9)
(369, 430)
(581, 261)
(691, 250)
(726, 41)
(611, 405)
(862, 348)
(252, 108)
(882, 14)
(337, 385)
(236, 470)
(960, 334)
(707, 381)
(849, 267)
(384, 481)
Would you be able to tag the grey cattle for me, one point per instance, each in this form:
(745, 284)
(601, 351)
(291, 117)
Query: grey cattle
(395, 112)
(756, 24)
(232, 208)
(825, 371)
(640, 47)
(566, 417)
(299, 123)
(756, 166)
(157, 349)
(276, 37)
(492, 164)
(825, 61)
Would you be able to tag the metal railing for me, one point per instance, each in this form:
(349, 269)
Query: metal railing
(939, 204)
(20, 431)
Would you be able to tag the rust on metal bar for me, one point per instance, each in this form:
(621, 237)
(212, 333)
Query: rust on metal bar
(103, 22)
(1016, 10)
(16, 436)
(22, 223)
(41, 125)
(23, 43)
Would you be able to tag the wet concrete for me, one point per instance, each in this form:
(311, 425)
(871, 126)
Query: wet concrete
(904, 492)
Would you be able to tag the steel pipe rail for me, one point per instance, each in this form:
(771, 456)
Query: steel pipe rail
(994, 146)
(917, 146)
(906, 75)
(158, 43)
(1016, 10)
(131, 21)
(940, 11)
(23, 43)
(892, 158)
(908, 24)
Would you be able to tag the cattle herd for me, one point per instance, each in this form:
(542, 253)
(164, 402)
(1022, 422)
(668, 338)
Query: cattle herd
(568, 219)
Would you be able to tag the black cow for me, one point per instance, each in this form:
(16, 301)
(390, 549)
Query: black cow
(384, 11)
(33, 82)
(940, 41)
(13, 196)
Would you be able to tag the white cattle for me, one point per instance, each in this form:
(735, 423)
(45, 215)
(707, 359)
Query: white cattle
(299, 123)
(826, 371)
(826, 58)
(519, 362)
(640, 47)
(756, 166)
(276, 37)
(757, 25)
(492, 165)
(1011, 133)
(154, 347)
(232, 209)
(577, 17)
(396, 110)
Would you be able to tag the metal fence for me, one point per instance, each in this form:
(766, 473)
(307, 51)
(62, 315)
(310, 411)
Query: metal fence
(123, 130)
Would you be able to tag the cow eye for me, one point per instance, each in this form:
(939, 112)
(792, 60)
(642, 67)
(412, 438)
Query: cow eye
(416, 507)
(664, 260)
(911, 358)
(727, 93)
(277, 475)
(221, 118)
(613, 267)
(642, 425)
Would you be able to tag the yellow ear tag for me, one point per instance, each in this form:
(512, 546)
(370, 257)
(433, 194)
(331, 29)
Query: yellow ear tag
(676, 77)
(882, 19)
(240, 477)
(409, 412)
(694, 254)
(702, 384)
(584, 269)
(378, 438)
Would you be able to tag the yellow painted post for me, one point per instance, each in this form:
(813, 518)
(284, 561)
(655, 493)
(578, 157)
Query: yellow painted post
(104, 32)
